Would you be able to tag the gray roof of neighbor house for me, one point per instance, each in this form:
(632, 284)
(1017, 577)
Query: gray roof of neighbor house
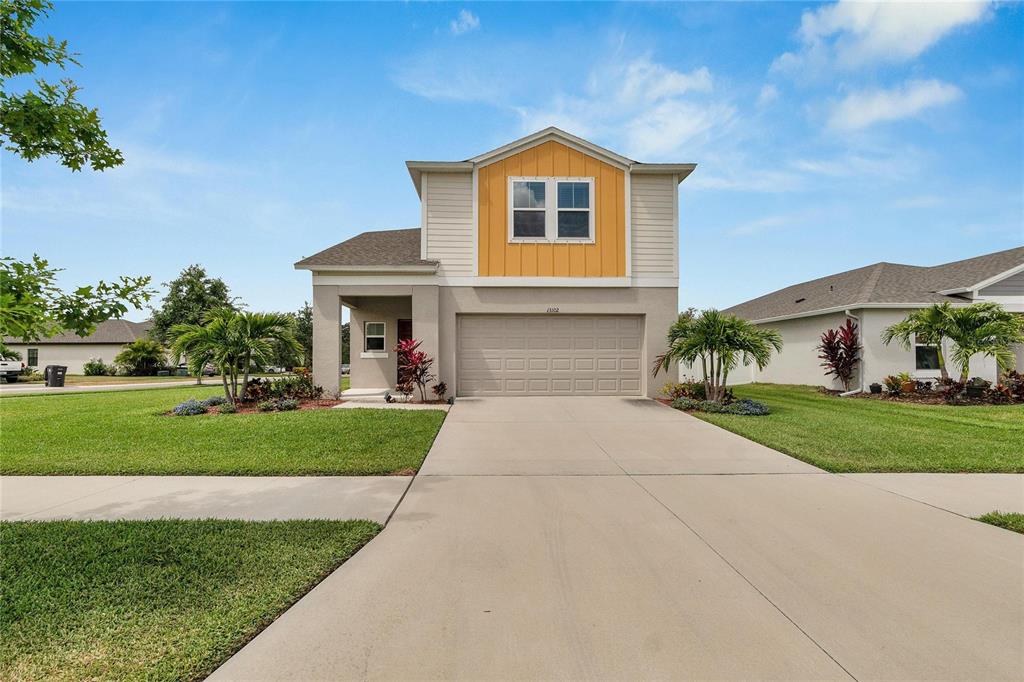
(380, 248)
(111, 331)
(879, 283)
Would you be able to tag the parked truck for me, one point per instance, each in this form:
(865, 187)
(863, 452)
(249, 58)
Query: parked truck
(11, 370)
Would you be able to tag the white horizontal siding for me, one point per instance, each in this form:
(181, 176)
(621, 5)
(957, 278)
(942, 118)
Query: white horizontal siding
(1011, 286)
(448, 198)
(654, 235)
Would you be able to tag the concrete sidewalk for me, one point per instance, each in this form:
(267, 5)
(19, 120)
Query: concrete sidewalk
(604, 538)
(42, 389)
(970, 495)
(256, 498)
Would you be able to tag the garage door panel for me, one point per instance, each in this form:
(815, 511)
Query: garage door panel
(549, 355)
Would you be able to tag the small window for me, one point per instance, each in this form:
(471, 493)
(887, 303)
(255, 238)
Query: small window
(528, 210)
(33, 357)
(373, 336)
(926, 356)
(574, 210)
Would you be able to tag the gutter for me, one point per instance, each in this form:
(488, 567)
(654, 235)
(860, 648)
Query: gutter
(862, 370)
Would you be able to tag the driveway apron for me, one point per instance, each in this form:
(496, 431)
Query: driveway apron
(614, 538)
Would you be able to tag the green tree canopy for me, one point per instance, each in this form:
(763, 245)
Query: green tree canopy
(33, 307)
(48, 120)
(190, 297)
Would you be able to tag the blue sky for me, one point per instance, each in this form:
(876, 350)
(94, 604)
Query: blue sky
(826, 136)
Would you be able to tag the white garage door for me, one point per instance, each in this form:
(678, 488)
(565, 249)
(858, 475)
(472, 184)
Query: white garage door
(549, 355)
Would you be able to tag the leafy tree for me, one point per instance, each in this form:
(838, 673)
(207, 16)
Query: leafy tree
(304, 332)
(346, 345)
(719, 342)
(190, 296)
(141, 357)
(977, 329)
(49, 120)
(840, 352)
(33, 307)
(233, 341)
(927, 326)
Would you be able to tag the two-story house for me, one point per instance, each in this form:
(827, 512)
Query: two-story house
(548, 266)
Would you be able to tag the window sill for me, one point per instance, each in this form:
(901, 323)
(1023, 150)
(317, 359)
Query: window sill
(524, 240)
(373, 354)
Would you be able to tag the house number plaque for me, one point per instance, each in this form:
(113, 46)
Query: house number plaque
(552, 310)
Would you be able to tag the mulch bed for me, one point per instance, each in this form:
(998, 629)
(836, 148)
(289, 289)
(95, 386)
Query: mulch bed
(934, 398)
(250, 408)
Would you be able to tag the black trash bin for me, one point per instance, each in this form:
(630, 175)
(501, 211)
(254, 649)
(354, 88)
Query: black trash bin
(54, 375)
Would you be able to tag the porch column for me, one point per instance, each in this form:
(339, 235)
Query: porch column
(326, 338)
(425, 322)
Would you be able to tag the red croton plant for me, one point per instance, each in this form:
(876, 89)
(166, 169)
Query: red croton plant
(840, 352)
(414, 366)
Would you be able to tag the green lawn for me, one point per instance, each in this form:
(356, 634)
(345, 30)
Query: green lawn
(153, 600)
(1009, 521)
(859, 435)
(123, 432)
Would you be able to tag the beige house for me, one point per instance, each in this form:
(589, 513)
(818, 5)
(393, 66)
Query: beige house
(875, 297)
(74, 351)
(548, 266)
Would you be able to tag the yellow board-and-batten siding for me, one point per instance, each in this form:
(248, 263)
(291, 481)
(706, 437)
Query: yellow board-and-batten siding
(606, 257)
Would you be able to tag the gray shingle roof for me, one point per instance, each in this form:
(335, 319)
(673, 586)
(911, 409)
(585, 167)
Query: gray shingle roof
(879, 283)
(111, 331)
(383, 247)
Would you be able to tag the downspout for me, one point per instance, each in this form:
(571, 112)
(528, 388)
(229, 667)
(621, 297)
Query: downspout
(860, 370)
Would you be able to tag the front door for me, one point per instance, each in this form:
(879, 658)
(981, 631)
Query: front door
(404, 334)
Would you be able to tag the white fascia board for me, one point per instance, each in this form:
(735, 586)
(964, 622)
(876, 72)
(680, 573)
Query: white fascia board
(418, 168)
(985, 282)
(427, 269)
(350, 279)
(552, 133)
(680, 170)
(840, 309)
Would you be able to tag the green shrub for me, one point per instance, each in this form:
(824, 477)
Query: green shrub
(189, 408)
(227, 408)
(751, 408)
(287, 404)
(215, 400)
(95, 367)
(266, 406)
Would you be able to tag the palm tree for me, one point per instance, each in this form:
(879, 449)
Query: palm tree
(259, 333)
(232, 341)
(212, 342)
(720, 342)
(980, 328)
(141, 357)
(928, 326)
(983, 329)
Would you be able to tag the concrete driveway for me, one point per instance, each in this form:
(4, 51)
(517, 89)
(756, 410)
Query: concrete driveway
(550, 538)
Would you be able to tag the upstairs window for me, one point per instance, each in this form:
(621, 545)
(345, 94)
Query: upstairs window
(574, 210)
(528, 210)
(551, 210)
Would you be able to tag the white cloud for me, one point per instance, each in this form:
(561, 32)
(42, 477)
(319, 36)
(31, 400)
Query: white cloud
(867, 107)
(464, 23)
(646, 107)
(769, 93)
(851, 33)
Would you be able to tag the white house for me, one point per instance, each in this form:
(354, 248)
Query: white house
(875, 297)
(74, 351)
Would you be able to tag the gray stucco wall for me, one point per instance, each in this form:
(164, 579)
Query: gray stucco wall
(434, 311)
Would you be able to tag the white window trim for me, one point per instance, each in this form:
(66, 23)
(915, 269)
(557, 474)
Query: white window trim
(924, 373)
(369, 354)
(550, 211)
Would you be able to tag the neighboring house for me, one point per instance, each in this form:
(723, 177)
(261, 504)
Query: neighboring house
(73, 351)
(548, 266)
(875, 297)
